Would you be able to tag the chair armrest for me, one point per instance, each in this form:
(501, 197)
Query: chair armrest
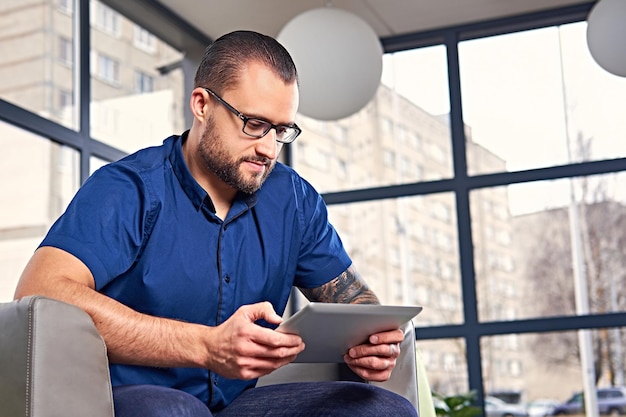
(53, 361)
(425, 394)
(403, 379)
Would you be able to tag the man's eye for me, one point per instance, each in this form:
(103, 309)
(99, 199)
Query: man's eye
(257, 124)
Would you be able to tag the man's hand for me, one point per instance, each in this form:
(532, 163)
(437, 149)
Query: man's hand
(242, 349)
(372, 361)
(375, 360)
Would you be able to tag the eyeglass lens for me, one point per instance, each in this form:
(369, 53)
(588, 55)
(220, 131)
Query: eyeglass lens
(259, 128)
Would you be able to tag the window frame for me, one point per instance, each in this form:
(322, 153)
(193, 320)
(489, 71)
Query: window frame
(164, 24)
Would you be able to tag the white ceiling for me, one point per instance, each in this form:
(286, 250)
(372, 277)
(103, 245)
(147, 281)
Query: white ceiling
(386, 17)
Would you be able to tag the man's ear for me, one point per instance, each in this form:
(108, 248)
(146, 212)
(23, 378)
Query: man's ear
(199, 103)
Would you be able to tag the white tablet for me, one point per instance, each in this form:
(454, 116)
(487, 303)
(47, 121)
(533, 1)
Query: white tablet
(330, 329)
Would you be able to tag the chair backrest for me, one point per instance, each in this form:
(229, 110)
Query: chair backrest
(53, 361)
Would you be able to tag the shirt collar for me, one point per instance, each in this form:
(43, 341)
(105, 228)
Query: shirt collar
(190, 186)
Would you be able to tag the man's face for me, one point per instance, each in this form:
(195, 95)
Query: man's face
(239, 160)
(229, 168)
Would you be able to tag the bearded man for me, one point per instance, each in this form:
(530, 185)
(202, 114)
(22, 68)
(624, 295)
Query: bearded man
(185, 254)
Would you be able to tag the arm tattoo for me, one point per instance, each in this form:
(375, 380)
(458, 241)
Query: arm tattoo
(348, 287)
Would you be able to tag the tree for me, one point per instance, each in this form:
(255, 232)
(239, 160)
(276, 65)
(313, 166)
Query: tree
(548, 268)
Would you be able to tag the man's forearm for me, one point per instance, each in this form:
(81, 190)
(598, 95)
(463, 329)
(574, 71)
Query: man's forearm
(140, 339)
(348, 287)
(130, 337)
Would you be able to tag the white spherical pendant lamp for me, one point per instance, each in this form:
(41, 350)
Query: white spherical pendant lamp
(339, 61)
(606, 35)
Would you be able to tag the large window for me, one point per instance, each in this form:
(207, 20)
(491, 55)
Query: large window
(402, 136)
(37, 59)
(133, 69)
(484, 181)
(40, 178)
(50, 146)
(526, 231)
(537, 98)
(407, 250)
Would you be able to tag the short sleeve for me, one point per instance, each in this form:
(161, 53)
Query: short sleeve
(322, 255)
(106, 223)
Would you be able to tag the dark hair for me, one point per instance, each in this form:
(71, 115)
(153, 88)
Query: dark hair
(226, 57)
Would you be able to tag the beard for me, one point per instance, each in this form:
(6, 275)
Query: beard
(218, 160)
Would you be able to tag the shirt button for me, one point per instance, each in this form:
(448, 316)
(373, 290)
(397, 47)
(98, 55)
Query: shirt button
(227, 279)
(215, 382)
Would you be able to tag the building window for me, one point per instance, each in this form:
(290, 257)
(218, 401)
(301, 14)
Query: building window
(107, 19)
(441, 211)
(515, 368)
(66, 6)
(417, 140)
(405, 164)
(342, 169)
(389, 158)
(397, 289)
(386, 125)
(144, 83)
(66, 51)
(437, 153)
(66, 99)
(419, 172)
(144, 40)
(341, 133)
(315, 157)
(402, 134)
(108, 69)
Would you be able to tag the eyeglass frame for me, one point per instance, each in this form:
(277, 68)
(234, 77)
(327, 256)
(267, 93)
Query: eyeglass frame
(245, 120)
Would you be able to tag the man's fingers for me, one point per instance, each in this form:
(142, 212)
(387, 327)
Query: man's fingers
(387, 350)
(271, 348)
(392, 336)
(261, 311)
(249, 368)
(371, 368)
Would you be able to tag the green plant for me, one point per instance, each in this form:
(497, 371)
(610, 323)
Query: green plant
(458, 405)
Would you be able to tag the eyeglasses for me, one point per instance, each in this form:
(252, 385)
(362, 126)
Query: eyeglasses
(257, 128)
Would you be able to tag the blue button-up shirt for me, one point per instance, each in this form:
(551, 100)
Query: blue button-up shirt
(149, 235)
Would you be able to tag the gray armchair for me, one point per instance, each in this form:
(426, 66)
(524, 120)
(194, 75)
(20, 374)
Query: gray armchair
(53, 362)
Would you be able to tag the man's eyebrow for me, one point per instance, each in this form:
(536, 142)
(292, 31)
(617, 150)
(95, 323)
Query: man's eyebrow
(254, 116)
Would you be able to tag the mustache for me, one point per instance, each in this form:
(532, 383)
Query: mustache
(259, 159)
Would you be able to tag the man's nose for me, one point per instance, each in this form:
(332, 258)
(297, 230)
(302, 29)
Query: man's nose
(267, 145)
